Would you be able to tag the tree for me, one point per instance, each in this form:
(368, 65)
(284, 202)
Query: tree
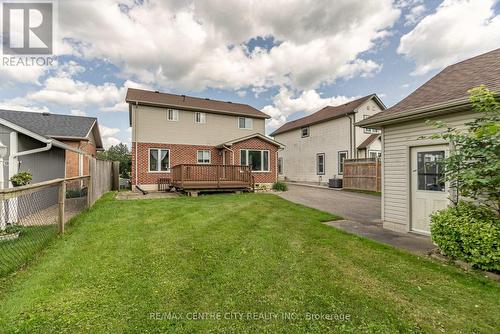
(473, 165)
(119, 153)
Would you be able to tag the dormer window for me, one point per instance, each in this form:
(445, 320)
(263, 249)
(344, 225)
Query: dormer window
(304, 132)
(173, 115)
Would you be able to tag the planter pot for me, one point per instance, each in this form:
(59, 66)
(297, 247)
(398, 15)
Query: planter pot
(11, 236)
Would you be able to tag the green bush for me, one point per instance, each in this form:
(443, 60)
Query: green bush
(468, 232)
(280, 186)
(11, 229)
(21, 179)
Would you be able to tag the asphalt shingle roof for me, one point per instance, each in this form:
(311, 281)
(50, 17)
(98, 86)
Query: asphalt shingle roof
(50, 125)
(323, 115)
(188, 102)
(450, 84)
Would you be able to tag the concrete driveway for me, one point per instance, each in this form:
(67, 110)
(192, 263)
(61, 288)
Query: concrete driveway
(352, 206)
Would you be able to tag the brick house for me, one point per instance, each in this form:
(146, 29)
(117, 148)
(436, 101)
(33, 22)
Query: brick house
(80, 134)
(171, 130)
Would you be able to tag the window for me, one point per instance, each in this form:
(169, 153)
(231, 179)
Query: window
(374, 154)
(245, 123)
(342, 155)
(280, 166)
(172, 114)
(369, 130)
(304, 132)
(200, 117)
(203, 156)
(258, 160)
(430, 171)
(320, 163)
(159, 160)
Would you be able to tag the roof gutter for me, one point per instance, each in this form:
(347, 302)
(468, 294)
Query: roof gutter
(426, 111)
(214, 111)
(34, 151)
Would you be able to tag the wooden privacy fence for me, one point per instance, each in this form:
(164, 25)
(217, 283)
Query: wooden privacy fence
(362, 174)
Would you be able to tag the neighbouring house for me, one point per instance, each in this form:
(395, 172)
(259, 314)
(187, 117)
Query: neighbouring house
(176, 130)
(80, 134)
(317, 145)
(411, 186)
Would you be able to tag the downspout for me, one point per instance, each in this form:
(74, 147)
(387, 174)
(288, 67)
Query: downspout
(135, 139)
(350, 135)
(232, 153)
(13, 166)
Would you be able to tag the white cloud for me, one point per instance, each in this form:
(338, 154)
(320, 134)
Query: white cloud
(414, 15)
(317, 42)
(108, 136)
(310, 101)
(21, 104)
(457, 30)
(76, 112)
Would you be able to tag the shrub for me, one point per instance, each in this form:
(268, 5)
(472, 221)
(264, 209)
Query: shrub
(280, 186)
(11, 229)
(21, 179)
(468, 232)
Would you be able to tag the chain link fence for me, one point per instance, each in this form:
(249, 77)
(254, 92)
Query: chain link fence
(32, 216)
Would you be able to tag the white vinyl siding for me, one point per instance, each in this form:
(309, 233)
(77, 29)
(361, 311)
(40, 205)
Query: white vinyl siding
(398, 139)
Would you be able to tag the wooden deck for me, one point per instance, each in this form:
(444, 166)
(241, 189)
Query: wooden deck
(212, 177)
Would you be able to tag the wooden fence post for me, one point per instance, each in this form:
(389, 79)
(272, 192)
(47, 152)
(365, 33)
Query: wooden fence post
(116, 175)
(90, 188)
(62, 199)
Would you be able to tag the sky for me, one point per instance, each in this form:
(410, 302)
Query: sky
(287, 58)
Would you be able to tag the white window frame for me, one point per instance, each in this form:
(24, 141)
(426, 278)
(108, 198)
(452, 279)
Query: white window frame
(280, 166)
(378, 152)
(159, 164)
(202, 119)
(203, 162)
(250, 123)
(339, 161)
(302, 135)
(268, 169)
(317, 164)
(175, 115)
(369, 130)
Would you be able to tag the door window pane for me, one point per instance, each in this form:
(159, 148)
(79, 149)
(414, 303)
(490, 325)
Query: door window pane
(280, 166)
(341, 157)
(243, 157)
(265, 160)
(430, 171)
(165, 157)
(153, 160)
(255, 160)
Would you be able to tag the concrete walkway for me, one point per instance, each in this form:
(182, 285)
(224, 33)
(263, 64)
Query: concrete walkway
(362, 214)
(414, 243)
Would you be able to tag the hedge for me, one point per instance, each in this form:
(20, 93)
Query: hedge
(468, 232)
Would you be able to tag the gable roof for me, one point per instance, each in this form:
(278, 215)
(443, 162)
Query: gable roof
(451, 85)
(371, 138)
(54, 125)
(327, 113)
(254, 135)
(38, 137)
(157, 99)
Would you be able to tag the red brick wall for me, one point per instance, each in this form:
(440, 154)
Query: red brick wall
(179, 154)
(259, 144)
(186, 154)
(72, 157)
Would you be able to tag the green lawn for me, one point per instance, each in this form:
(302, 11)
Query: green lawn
(151, 266)
(15, 253)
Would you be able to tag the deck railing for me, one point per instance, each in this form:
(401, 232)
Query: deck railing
(190, 176)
